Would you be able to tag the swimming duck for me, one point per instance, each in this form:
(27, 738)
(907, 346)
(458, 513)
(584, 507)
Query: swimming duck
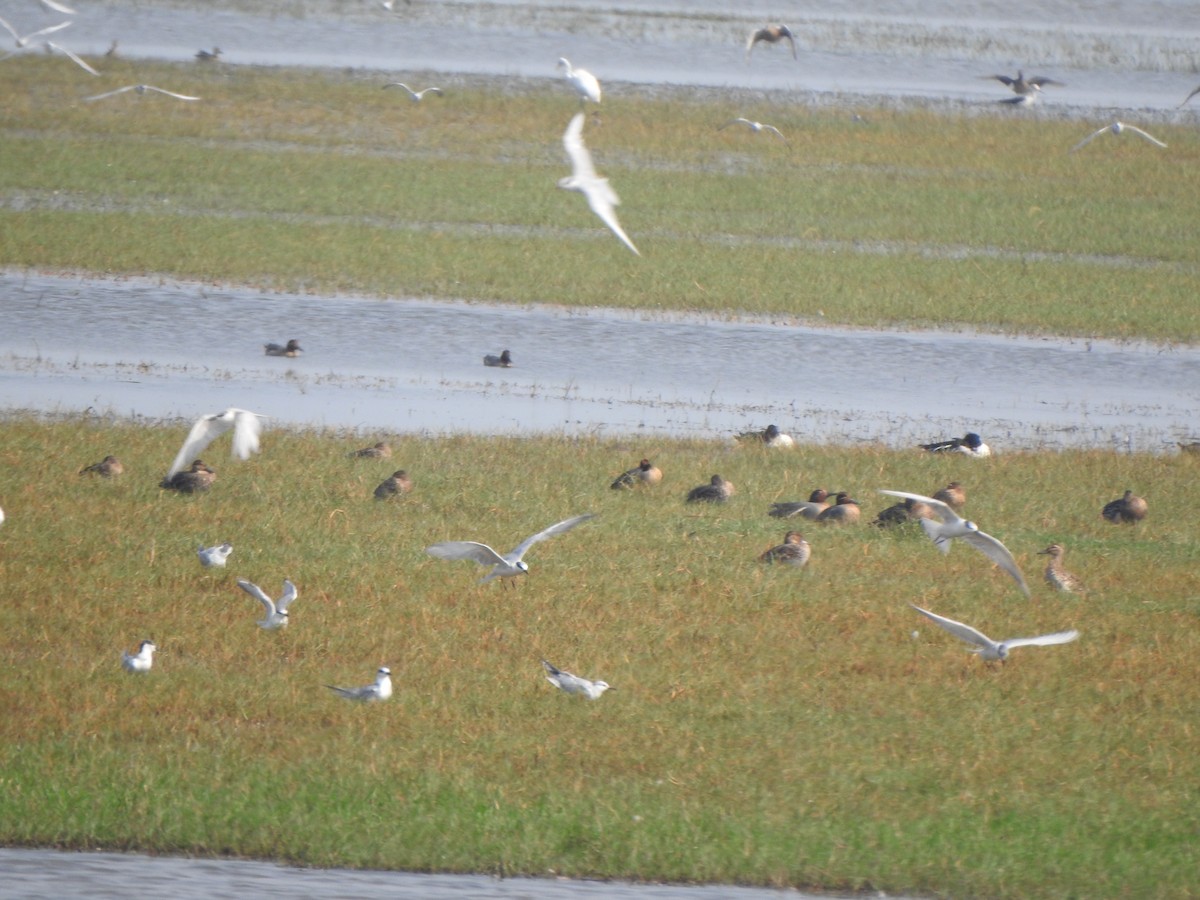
(844, 512)
(971, 444)
(771, 34)
(908, 510)
(644, 472)
(1125, 510)
(718, 490)
(953, 495)
(794, 551)
(208, 55)
(503, 361)
(817, 503)
(397, 483)
(381, 450)
(291, 349)
(108, 467)
(1056, 576)
(771, 436)
(191, 481)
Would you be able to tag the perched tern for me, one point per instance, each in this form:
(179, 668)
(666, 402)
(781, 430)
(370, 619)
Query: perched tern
(584, 82)
(1125, 510)
(583, 178)
(246, 427)
(23, 40)
(141, 89)
(989, 650)
(140, 661)
(510, 564)
(953, 526)
(772, 34)
(291, 349)
(573, 684)
(276, 612)
(503, 361)
(214, 556)
(1117, 128)
(109, 467)
(371, 693)
(756, 127)
(414, 96)
(50, 45)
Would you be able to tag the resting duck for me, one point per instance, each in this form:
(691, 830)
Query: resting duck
(503, 361)
(644, 472)
(291, 349)
(845, 512)
(953, 495)
(108, 467)
(382, 450)
(794, 551)
(1126, 510)
(718, 490)
(771, 436)
(971, 444)
(909, 510)
(191, 481)
(817, 503)
(397, 483)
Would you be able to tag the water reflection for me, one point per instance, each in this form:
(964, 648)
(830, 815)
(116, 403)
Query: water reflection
(72, 344)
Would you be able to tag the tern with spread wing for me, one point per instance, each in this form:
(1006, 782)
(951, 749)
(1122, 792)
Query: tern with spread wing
(508, 565)
(414, 96)
(1117, 128)
(214, 556)
(583, 178)
(381, 689)
(246, 427)
(24, 39)
(989, 650)
(573, 684)
(277, 611)
(954, 526)
(141, 89)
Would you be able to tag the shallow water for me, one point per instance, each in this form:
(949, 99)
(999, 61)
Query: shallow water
(53, 874)
(113, 347)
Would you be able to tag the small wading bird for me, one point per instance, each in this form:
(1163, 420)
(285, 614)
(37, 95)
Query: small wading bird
(508, 565)
(718, 490)
(276, 611)
(291, 349)
(771, 34)
(109, 467)
(989, 650)
(1058, 577)
(214, 556)
(573, 684)
(414, 96)
(141, 661)
(644, 473)
(23, 40)
(245, 425)
(140, 89)
(503, 361)
(1125, 510)
(969, 444)
(583, 178)
(953, 526)
(381, 689)
(586, 85)
(756, 127)
(794, 551)
(1117, 128)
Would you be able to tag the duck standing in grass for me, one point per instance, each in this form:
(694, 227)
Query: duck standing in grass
(794, 551)
(395, 484)
(1058, 577)
(109, 467)
(1126, 510)
(644, 473)
(718, 490)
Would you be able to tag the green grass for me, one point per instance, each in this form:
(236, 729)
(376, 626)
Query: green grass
(768, 727)
(321, 181)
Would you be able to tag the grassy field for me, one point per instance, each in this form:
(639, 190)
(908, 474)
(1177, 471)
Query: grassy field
(769, 726)
(322, 181)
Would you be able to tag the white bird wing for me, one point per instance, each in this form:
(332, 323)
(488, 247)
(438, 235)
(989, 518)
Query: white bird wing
(289, 596)
(17, 38)
(131, 87)
(73, 57)
(581, 160)
(480, 553)
(738, 121)
(1091, 137)
(22, 41)
(401, 84)
(948, 515)
(247, 429)
(601, 199)
(257, 593)
(772, 128)
(159, 90)
(1043, 640)
(557, 528)
(58, 7)
(600, 195)
(997, 553)
(1148, 137)
(206, 430)
(960, 630)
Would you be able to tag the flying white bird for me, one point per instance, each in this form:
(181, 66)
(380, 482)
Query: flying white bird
(583, 178)
(277, 614)
(508, 565)
(584, 82)
(58, 7)
(756, 127)
(1117, 128)
(573, 684)
(415, 96)
(214, 556)
(246, 427)
(50, 45)
(140, 661)
(141, 89)
(954, 526)
(989, 650)
(23, 40)
(371, 693)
